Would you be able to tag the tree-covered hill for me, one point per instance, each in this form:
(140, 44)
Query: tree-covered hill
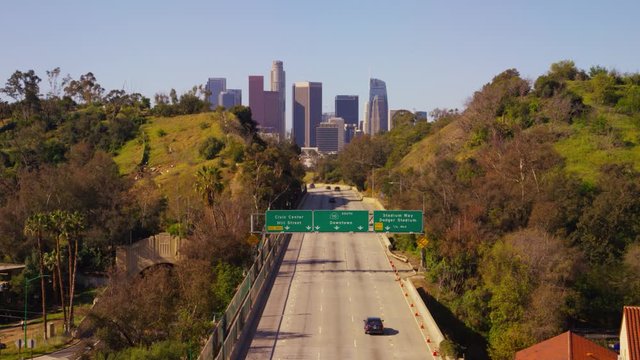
(532, 202)
(84, 170)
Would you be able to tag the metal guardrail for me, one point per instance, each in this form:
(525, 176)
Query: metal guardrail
(227, 331)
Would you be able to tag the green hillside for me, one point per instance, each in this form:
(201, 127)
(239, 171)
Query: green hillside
(173, 150)
(532, 204)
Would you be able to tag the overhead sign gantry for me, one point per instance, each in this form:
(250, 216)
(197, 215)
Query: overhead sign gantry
(385, 221)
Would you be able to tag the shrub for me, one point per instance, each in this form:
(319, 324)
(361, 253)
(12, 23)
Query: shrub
(211, 147)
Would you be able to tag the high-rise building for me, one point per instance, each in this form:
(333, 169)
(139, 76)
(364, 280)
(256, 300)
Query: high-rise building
(272, 114)
(214, 87)
(378, 107)
(237, 93)
(307, 112)
(330, 135)
(349, 132)
(347, 108)
(278, 85)
(230, 98)
(256, 98)
(366, 123)
(226, 99)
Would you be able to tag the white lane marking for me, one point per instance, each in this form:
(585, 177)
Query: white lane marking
(320, 329)
(318, 355)
(352, 319)
(354, 343)
(349, 299)
(321, 308)
(322, 291)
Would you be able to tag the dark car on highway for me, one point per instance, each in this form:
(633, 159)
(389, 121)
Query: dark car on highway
(373, 325)
(337, 188)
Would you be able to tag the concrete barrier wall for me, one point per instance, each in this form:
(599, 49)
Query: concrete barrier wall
(432, 329)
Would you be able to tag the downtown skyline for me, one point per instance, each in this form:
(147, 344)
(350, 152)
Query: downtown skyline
(426, 57)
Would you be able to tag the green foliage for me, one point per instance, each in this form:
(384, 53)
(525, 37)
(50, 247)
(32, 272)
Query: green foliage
(629, 103)
(191, 102)
(563, 70)
(177, 229)
(361, 156)
(531, 203)
(604, 89)
(327, 169)
(449, 348)
(405, 242)
(612, 222)
(228, 277)
(163, 350)
(546, 86)
(161, 133)
(210, 148)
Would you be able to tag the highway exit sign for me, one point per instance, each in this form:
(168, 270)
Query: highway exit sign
(397, 221)
(277, 221)
(341, 220)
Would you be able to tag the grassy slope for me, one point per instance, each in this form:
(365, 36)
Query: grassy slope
(584, 150)
(173, 159)
(449, 139)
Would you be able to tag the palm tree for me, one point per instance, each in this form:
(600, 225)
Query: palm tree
(74, 224)
(209, 183)
(57, 219)
(35, 226)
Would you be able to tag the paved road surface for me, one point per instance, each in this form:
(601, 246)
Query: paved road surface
(69, 353)
(326, 285)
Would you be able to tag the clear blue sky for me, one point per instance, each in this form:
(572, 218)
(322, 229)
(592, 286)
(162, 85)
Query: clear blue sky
(430, 53)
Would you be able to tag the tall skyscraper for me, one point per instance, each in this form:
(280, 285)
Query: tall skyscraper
(307, 112)
(215, 86)
(366, 123)
(378, 107)
(347, 108)
(330, 135)
(278, 84)
(256, 98)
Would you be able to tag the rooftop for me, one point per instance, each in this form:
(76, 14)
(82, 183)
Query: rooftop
(631, 316)
(566, 346)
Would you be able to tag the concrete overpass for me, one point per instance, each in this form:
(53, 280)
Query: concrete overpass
(157, 249)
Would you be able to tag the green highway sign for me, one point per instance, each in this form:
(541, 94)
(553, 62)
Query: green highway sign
(341, 220)
(277, 221)
(397, 221)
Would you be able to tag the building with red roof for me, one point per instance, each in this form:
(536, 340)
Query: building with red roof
(630, 333)
(566, 346)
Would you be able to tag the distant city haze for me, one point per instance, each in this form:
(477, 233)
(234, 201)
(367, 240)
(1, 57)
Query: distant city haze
(430, 54)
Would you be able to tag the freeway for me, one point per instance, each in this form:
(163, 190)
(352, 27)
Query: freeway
(327, 284)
